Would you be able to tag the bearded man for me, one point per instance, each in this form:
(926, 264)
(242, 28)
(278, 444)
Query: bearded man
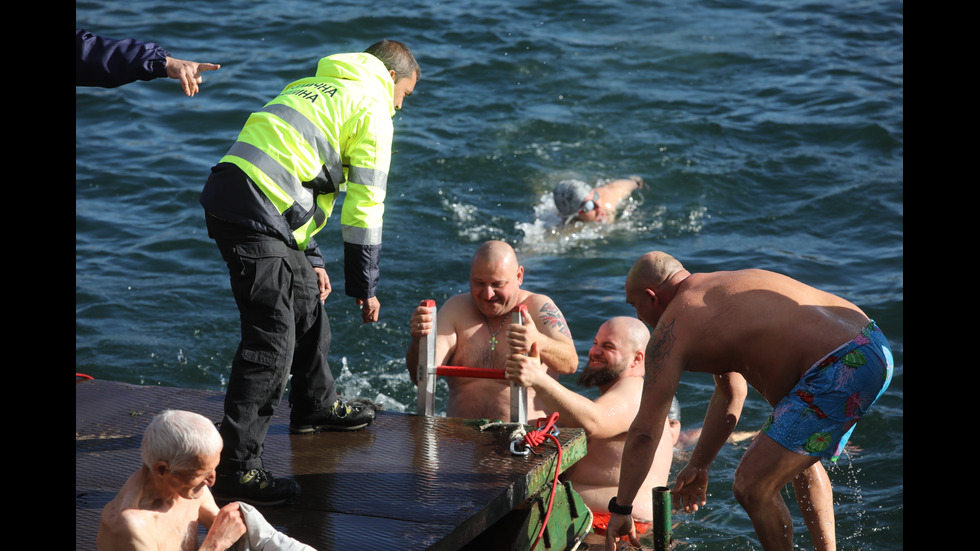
(615, 367)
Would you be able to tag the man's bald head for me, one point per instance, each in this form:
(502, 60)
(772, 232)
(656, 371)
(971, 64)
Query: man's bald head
(652, 271)
(617, 351)
(634, 332)
(652, 283)
(495, 253)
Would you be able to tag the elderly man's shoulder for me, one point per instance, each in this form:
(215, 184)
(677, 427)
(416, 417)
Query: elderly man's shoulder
(122, 526)
(125, 500)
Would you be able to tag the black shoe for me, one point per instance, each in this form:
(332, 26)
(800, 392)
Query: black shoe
(340, 415)
(255, 486)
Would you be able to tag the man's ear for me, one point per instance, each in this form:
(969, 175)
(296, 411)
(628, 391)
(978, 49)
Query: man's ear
(160, 468)
(652, 295)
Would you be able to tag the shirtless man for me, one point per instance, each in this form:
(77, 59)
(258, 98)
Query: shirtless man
(616, 368)
(815, 357)
(161, 505)
(474, 330)
(576, 200)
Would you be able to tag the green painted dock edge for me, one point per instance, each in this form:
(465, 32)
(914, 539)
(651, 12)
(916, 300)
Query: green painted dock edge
(569, 522)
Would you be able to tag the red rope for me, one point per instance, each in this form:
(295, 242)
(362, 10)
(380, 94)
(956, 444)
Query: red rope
(534, 438)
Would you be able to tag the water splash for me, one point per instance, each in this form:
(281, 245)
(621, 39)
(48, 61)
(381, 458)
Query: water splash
(545, 233)
(472, 224)
(351, 385)
(849, 498)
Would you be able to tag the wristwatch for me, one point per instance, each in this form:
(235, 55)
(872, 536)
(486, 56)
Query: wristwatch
(619, 509)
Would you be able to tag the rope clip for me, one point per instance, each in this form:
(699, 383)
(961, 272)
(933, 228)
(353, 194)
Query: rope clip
(515, 451)
(550, 425)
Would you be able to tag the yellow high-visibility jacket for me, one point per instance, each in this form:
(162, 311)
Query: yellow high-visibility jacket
(320, 136)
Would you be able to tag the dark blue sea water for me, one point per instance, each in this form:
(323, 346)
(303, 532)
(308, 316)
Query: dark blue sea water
(770, 134)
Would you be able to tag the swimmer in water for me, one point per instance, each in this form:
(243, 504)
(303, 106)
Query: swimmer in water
(576, 200)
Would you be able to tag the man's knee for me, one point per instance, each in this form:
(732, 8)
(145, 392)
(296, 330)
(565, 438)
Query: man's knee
(746, 493)
(750, 488)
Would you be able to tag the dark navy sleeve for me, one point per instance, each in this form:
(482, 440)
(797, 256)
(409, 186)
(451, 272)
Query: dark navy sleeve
(361, 270)
(313, 254)
(108, 63)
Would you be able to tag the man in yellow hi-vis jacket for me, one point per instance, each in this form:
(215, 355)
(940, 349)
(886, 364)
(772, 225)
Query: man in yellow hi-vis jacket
(264, 201)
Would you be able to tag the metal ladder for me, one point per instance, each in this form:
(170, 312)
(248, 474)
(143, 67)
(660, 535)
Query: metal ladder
(428, 371)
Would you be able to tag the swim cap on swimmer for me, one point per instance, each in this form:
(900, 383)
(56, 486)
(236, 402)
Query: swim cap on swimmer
(569, 195)
(675, 410)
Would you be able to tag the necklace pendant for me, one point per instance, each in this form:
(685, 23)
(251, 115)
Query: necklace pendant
(493, 334)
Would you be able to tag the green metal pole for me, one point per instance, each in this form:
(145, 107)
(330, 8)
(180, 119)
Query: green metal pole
(661, 518)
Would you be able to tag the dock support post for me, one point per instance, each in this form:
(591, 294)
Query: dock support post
(518, 394)
(426, 372)
(661, 518)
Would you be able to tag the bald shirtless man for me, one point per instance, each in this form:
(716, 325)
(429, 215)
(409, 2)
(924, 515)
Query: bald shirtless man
(815, 357)
(475, 330)
(161, 505)
(616, 368)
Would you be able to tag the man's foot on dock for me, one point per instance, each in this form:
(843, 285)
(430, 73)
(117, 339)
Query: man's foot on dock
(341, 415)
(254, 486)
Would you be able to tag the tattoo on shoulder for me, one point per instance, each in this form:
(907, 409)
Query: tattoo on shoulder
(659, 350)
(551, 316)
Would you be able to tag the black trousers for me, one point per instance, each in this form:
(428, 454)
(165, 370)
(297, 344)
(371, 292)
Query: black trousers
(285, 331)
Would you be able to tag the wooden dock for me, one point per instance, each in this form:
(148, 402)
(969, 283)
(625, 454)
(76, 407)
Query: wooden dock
(405, 483)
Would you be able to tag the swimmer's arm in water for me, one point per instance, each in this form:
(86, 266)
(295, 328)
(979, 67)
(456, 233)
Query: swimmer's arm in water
(620, 189)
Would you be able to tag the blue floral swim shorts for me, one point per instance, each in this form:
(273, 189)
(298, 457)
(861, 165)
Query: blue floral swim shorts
(819, 414)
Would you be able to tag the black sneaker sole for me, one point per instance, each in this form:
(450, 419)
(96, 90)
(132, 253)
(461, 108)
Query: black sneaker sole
(310, 429)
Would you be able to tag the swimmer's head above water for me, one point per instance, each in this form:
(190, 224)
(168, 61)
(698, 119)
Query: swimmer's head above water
(576, 200)
(570, 199)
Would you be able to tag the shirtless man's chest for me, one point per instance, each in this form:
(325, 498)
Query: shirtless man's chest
(483, 345)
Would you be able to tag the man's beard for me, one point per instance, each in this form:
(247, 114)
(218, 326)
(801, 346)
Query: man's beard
(599, 376)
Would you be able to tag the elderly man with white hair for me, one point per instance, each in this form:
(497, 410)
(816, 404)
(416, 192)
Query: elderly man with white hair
(161, 505)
